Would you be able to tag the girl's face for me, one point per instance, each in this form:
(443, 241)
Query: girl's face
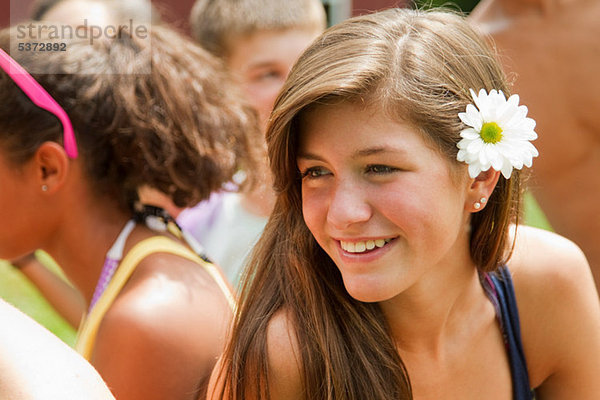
(379, 200)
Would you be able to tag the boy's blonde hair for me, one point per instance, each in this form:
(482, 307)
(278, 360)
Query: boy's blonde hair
(216, 24)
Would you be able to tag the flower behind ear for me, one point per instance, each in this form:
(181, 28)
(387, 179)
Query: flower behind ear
(498, 134)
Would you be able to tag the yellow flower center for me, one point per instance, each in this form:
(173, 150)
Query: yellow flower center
(491, 132)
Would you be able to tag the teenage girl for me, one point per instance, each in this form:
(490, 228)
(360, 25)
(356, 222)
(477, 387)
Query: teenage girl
(385, 270)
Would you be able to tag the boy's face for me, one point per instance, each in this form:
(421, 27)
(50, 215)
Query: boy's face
(261, 62)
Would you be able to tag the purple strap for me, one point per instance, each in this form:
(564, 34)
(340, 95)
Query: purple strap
(111, 262)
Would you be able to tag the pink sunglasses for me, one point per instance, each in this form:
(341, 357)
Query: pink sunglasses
(40, 97)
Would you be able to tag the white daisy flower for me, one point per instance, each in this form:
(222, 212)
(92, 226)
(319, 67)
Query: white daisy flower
(497, 135)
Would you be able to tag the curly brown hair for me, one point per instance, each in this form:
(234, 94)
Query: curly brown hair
(160, 113)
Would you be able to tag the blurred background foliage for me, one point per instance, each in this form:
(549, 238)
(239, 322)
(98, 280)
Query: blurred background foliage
(464, 5)
(17, 290)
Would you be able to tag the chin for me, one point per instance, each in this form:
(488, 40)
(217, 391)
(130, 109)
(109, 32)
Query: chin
(368, 290)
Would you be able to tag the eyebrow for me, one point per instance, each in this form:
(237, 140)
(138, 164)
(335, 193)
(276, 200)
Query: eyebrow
(262, 64)
(369, 151)
(309, 156)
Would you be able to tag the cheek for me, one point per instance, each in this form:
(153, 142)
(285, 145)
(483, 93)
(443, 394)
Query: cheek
(262, 98)
(314, 210)
(262, 94)
(21, 224)
(421, 211)
(405, 208)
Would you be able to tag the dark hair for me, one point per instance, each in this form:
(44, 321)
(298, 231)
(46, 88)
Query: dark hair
(159, 112)
(418, 68)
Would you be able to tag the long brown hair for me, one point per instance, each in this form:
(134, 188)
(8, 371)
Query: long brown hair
(158, 112)
(418, 66)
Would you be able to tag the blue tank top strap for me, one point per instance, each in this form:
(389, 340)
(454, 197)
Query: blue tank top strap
(499, 288)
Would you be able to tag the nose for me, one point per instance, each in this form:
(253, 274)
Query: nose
(348, 205)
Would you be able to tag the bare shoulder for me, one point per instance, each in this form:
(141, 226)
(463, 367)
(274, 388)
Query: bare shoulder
(547, 256)
(171, 313)
(169, 294)
(285, 378)
(171, 284)
(559, 312)
(35, 364)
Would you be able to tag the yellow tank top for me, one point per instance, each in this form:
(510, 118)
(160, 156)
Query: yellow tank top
(86, 337)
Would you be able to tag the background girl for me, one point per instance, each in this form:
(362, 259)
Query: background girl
(143, 112)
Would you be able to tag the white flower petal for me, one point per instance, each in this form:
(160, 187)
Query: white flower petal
(464, 143)
(513, 100)
(475, 146)
(485, 155)
(474, 170)
(534, 150)
(497, 99)
(507, 110)
(507, 170)
(517, 163)
(473, 94)
(517, 118)
(480, 100)
(529, 123)
(513, 150)
(470, 134)
(497, 162)
(471, 117)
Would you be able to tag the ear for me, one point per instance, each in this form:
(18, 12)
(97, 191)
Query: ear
(52, 166)
(481, 189)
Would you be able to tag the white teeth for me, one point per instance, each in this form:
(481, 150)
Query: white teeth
(361, 247)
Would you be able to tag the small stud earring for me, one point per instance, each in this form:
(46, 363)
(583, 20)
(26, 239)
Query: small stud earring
(477, 205)
(482, 200)
(44, 188)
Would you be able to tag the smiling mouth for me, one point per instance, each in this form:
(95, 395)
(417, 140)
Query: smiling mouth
(364, 247)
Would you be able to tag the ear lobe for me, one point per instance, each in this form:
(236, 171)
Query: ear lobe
(481, 189)
(52, 164)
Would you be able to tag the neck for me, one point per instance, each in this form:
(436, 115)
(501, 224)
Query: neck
(430, 316)
(84, 236)
(261, 199)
